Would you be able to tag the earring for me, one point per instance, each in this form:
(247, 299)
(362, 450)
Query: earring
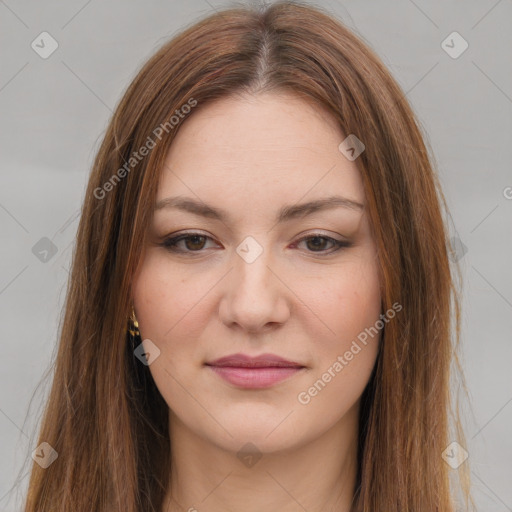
(133, 329)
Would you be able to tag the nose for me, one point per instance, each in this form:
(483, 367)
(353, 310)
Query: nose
(255, 299)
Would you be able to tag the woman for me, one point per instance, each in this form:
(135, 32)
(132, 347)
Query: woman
(259, 311)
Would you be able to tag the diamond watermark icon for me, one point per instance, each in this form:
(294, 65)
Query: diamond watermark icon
(454, 455)
(351, 147)
(458, 249)
(249, 454)
(44, 45)
(249, 249)
(146, 352)
(44, 250)
(44, 455)
(454, 45)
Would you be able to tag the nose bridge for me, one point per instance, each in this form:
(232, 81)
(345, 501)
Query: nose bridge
(255, 297)
(252, 270)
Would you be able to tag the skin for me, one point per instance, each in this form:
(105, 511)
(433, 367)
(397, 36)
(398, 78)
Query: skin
(300, 300)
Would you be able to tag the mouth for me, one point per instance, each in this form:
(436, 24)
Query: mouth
(258, 372)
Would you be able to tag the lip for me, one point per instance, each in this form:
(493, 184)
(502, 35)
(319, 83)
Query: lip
(257, 372)
(261, 361)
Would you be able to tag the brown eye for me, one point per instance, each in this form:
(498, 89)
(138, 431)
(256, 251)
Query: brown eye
(186, 243)
(322, 244)
(317, 243)
(195, 242)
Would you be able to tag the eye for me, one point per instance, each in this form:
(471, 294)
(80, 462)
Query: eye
(194, 242)
(318, 242)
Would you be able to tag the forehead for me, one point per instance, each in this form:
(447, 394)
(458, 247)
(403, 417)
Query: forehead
(270, 147)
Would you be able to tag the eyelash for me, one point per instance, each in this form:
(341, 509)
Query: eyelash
(171, 243)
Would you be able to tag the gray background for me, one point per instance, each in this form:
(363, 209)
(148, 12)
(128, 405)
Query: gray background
(54, 112)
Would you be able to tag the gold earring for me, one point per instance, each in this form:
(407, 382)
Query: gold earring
(133, 329)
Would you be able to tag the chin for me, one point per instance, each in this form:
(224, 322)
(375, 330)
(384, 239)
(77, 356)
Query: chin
(247, 440)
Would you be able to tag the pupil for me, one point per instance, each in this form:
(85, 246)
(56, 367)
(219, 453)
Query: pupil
(318, 239)
(194, 241)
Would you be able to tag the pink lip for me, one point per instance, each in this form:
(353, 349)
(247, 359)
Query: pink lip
(254, 372)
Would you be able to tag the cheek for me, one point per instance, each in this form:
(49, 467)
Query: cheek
(168, 302)
(350, 305)
(345, 302)
(169, 311)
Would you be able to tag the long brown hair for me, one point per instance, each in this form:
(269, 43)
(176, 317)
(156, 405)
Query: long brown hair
(105, 417)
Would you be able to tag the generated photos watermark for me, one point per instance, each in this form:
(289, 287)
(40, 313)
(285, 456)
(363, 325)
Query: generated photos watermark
(137, 156)
(305, 397)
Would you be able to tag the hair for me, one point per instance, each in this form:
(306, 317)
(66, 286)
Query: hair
(104, 415)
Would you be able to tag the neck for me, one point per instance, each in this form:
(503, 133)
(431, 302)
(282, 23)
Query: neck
(318, 475)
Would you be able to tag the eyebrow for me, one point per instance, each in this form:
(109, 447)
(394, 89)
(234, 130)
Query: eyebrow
(286, 213)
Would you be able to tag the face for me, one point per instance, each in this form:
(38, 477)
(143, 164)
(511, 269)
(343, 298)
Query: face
(235, 264)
